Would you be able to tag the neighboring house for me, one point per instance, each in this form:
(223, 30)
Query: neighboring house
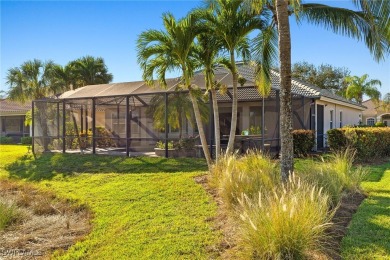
(375, 112)
(12, 117)
(106, 106)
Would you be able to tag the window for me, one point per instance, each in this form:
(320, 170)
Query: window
(341, 119)
(371, 121)
(119, 123)
(331, 120)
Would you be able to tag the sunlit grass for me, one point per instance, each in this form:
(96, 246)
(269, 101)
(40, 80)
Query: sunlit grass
(143, 208)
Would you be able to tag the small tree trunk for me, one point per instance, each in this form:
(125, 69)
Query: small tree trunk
(202, 135)
(41, 113)
(216, 125)
(286, 127)
(233, 125)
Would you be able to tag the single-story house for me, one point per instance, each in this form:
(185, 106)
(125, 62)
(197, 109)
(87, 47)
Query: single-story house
(12, 117)
(122, 110)
(375, 112)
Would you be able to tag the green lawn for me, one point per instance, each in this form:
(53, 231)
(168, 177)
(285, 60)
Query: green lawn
(144, 208)
(369, 233)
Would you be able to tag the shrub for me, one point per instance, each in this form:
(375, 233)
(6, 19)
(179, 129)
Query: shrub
(6, 140)
(379, 124)
(26, 140)
(233, 176)
(161, 145)
(288, 222)
(303, 141)
(9, 214)
(368, 142)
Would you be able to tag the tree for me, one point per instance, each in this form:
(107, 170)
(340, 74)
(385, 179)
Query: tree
(231, 23)
(206, 53)
(162, 51)
(324, 76)
(89, 70)
(371, 24)
(32, 81)
(359, 86)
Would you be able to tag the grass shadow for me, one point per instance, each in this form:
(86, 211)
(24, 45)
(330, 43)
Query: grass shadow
(47, 166)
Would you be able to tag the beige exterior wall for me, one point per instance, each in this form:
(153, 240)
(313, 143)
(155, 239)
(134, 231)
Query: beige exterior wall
(350, 116)
(375, 112)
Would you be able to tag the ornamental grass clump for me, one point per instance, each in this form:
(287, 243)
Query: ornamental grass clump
(287, 222)
(336, 174)
(9, 214)
(234, 175)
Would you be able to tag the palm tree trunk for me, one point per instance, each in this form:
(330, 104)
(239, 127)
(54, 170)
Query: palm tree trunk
(216, 124)
(42, 110)
(202, 135)
(287, 152)
(232, 135)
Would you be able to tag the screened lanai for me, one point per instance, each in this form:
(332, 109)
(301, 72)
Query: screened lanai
(120, 118)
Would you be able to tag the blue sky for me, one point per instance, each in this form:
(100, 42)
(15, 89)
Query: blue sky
(65, 30)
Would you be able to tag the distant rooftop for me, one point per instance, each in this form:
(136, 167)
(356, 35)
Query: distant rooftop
(8, 106)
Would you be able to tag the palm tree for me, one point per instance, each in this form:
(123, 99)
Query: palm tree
(162, 51)
(359, 86)
(32, 81)
(371, 24)
(206, 53)
(231, 23)
(89, 70)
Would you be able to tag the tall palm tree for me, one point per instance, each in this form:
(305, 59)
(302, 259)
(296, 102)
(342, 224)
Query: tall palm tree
(89, 70)
(231, 22)
(371, 24)
(206, 53)
(359, 86)
(162, 51)
(31, 81)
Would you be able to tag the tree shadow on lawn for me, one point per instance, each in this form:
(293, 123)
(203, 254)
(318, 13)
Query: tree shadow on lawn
(47, 166)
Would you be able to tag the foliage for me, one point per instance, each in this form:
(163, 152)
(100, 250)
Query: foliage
(6, 140)
(336, 174)
(152, 204)
(9, 214)
(380, 124)
(368, 142)
(187, 143)
(233, 176)
(288, 222)
(324, 76)
(359, 86)
(368, 232)
(104, 137)
(161, 145)
(26, 140)
(253, 130)
(304, 141)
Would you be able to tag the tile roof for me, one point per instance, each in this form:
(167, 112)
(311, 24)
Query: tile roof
(7, 105)
(222, 75)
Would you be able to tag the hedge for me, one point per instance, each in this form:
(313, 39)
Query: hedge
(26, 140)
(368, 142)
(304, 141)
(6, 140)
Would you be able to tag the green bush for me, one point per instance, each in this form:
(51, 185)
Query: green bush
(6, 140)
(379, 124)
(304, 141)
(368, 142)
(26, 140)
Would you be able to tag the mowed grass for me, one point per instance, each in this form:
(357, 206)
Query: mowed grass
(368, 236)
(143, 208)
